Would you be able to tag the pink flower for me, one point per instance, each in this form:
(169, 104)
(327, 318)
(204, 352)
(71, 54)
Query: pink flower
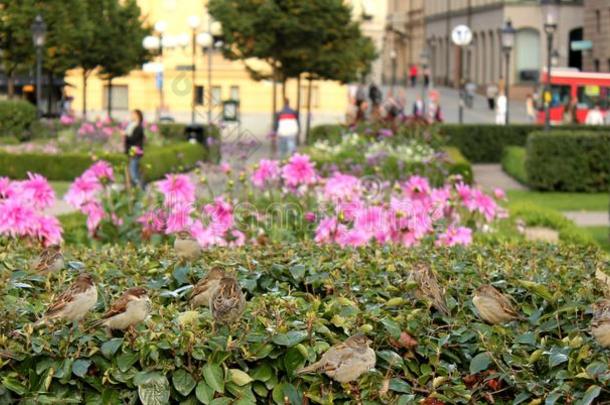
(485, 205)
(86, 129)
(239, 239)
(16, 219)
(37, 191)
(100, 170)
(179, 218)
(310, 216)
(372, 221)
(152, 221)
(299, 171)
(177, 189)
(342, 187)
(417, 187)
(95, 214)
(153, 128)
(326, 230)
(108, 131)
(499, 194)
(220, 213)
(66, 120)
(455, 236)
(353, 237)
(225, 168)
(8, 189)
(48, 229)
(206, 237)
(267, 171)
(83, 190)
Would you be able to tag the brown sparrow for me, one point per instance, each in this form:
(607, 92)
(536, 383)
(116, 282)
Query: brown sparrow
(346, 361)
(204, 289)
(428, 288)
(227, 302)
(74, 303)
(133, 307)
(600, 324)
(186, 247)
(493, 306)
(51, 260)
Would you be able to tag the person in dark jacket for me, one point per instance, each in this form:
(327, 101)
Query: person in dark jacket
(134, 146)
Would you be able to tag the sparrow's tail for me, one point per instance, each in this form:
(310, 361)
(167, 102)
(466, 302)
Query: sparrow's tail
(95, 324)
(311, 369)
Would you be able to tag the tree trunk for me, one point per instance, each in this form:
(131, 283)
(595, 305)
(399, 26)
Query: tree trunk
(298, 108)
(274, 108)
(10, 85)
(85, 77)
(309, 85)
(109, 106)
(283, 90)
(50, 94)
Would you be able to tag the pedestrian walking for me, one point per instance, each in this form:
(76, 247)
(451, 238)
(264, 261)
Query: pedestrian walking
(287, 129)
(427, 77)
(133, 140)
(471, 89)
(492, 93)
(435, 114)
(501, 108)
(413, 75)
(595, 116)
(376, 98)
(529, 108)
(418, 108)
(360, 95)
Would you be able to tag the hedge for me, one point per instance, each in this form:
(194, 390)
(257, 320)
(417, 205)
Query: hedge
(302, 299)
(458, 164)
(176, 131)
(157, 161)
(16, 118)
(568, 161)
(513, 163)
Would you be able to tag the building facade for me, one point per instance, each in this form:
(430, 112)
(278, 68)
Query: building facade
(597, 30)
(483, 62)
(174, 93)
(404, 39)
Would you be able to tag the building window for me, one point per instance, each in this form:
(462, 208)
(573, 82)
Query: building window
(234, 93)
(596, 65)
(527, 44)
(120, 97)
(216, 95)
(598, 20)
(199, 95)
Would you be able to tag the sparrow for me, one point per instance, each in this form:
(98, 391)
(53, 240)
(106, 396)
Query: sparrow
(600, 324)
(428, 288)
(133, 307)
(346, 361)
(186, 247)
(493, 306)
(51, 260)
(227, 302)
(204, 289)
(74, 303)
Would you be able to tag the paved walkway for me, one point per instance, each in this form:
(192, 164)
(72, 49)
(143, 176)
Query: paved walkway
(490, 176)
(588, 218)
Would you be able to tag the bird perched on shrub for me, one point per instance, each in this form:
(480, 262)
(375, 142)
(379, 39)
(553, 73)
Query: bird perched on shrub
(600, 325)
(227, 302)
(493, 306)
(428, 287)
(186, 247)
(51, 260)
(204, 289)
(131, 308)
(74, 303)
(346, 361)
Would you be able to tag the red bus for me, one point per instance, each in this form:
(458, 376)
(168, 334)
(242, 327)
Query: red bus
(573, 94)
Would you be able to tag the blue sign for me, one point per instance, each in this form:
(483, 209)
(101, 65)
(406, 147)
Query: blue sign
(581, 45)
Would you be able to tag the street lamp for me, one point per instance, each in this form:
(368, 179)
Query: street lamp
(39, 31)
(393, 57)
(550, 15)
(555, 58)
(157, 43)
(193, 22)
(508, 42)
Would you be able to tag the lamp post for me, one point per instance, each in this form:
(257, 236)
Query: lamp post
(424, 57)
(393, 58)
(193, 22)
(550, 15)
(39, 30)
(555, 58)
(508, 42)
(157, 43)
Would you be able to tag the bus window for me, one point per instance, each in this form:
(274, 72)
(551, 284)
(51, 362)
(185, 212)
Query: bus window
(589, 96)
(560, 96)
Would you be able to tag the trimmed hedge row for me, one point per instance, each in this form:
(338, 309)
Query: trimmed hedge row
(156, 163)
(568, 161)
(16, 118)
(212, 133)
(459, 165)
(513, 163)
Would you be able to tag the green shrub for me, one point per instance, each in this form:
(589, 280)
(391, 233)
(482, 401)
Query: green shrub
(513, 163)
(327, 132)
(16, 117)
(458, 164)
(157, 161)
(568, 161)
(302, 299)
(212, 134)
(9, 140)
(172, 131)
(75, 229)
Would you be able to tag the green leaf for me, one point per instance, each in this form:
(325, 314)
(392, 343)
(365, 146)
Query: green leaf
(480, 362)
(293, 359)
(528, 338)
(183, 381)
(558, 356)
(11, 383)
(110, 347)
(298, 271)
(214, 377)
(290, 339)
(204, 392)
(153, 388)
(406, 399)
(391, 357)
(126, 360)
(596, 368)
(293, 395)
(239, 377)
(181, 274)
(590, 395)
(262, 373)
(221, 401)
(392, 327)
(80, 367)
(398, 385)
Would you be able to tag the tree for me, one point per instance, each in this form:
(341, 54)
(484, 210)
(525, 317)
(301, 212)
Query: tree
(121, 41)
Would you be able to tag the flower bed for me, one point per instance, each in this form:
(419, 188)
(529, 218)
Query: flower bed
(300, 300)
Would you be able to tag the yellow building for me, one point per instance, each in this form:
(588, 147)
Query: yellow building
(230, 79)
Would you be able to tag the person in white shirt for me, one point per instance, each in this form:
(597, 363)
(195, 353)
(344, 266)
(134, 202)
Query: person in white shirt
(595, 116)
(501, 108)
